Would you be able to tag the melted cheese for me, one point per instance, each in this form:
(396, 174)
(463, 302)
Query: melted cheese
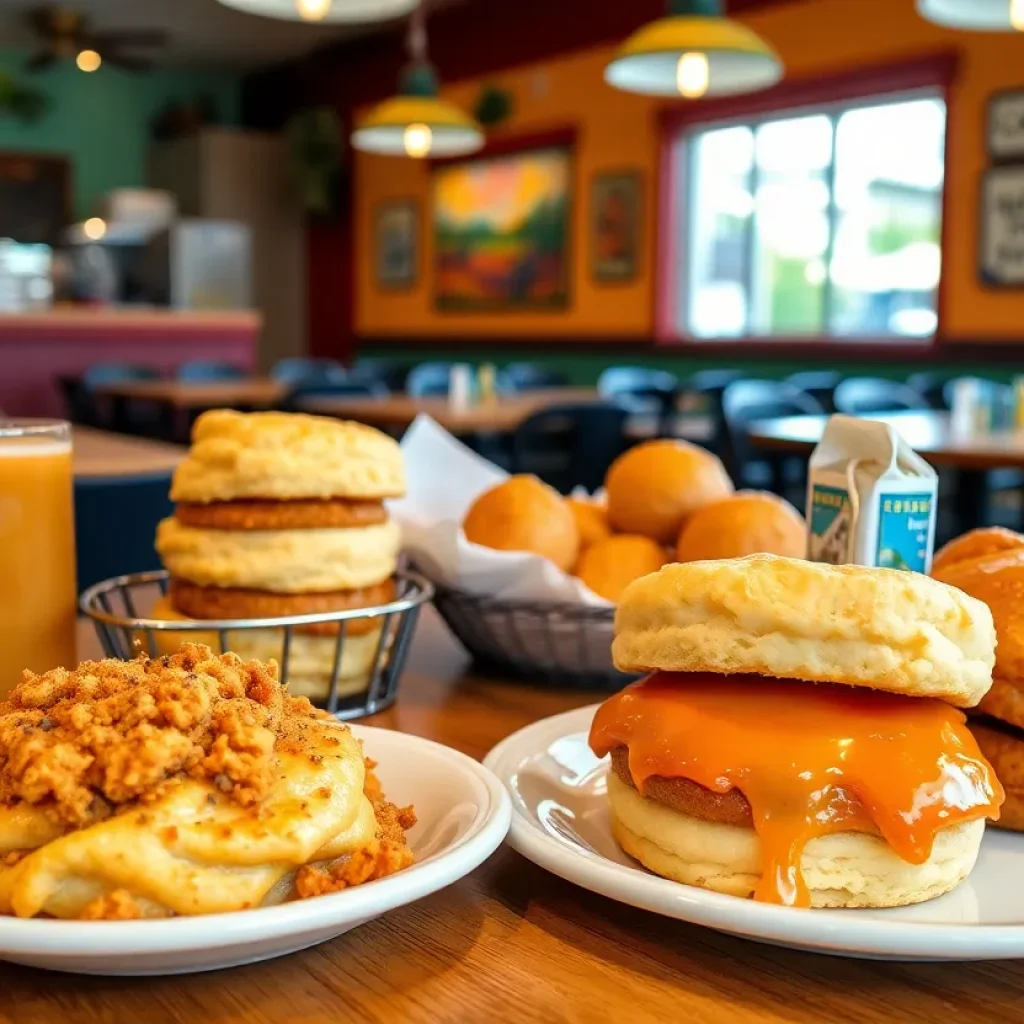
(810, 760)
(193, 850)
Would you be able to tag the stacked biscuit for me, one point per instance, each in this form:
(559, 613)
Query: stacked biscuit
(278, 515)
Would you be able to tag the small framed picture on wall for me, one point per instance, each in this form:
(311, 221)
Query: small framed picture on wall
(397, 242)
(1002, 228)
(616, 211)
(1006, 126)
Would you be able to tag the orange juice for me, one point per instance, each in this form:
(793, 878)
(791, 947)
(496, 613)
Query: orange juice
(37, 550)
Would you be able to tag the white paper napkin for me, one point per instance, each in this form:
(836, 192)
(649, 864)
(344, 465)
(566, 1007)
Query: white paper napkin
(444, 479)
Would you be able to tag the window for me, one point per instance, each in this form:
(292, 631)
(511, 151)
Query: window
(816, 222)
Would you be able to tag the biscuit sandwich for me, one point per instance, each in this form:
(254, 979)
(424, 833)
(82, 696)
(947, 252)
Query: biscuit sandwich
(798, 738)
(989, 565)
(277, 515)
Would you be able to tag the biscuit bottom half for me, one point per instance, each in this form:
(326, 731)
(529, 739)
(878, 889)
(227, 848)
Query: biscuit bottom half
(1003, 747)
(847, 869)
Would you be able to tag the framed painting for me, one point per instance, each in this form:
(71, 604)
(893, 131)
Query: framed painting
(396, 230)
(616, 203)
(501, 231)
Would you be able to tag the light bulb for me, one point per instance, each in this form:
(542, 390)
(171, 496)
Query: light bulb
(94, 228)
(693, 75)
(88, 61)
(1017, 14)
(313, 10)
(418, 139)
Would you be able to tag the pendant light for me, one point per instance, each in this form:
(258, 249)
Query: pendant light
(325, 10)
(982, 15)
(416, 123)
(695, 51)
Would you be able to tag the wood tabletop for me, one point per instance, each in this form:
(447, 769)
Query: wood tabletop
(254, 392)
(500, 414)
(511, 942)
(930, 434)
(99, 453)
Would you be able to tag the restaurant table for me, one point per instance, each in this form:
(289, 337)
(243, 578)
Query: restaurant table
(100, 454)
(511, 942)
(190, 396)
(931, 434)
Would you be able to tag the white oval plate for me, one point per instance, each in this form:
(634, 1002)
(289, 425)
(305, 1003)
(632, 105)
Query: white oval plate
(560, 821)
(463, 815)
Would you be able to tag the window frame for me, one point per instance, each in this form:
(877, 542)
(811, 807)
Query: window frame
(934, 74)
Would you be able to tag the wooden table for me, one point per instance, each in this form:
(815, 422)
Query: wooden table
(500, 415)
(189, 396)
(513, 943)
(98, 454)
(930, 434)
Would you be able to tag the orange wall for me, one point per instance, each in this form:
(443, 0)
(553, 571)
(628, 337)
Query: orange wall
(617, 131)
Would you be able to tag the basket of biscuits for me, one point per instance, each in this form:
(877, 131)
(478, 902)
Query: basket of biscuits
(281, 548)
(529, 580)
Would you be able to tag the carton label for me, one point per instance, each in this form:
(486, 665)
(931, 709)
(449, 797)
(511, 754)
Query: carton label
(904, 528)
(831, 525)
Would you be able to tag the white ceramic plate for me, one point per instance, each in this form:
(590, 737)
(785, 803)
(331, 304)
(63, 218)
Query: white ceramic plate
(560, 821)
(463, 814)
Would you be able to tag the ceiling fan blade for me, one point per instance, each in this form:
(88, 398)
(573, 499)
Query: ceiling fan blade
(41, 60)
(130, 37)
(124, 61)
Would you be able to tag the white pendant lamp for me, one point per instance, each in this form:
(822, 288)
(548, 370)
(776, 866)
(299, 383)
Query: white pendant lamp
(693, 52)
(979, 15)
(417, 123)
(325, 10)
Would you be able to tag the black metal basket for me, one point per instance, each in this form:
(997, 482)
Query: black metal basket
(568, 645)
(355, 675)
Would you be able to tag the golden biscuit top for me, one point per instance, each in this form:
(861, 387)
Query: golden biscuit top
(886, 629)
(284, 456)
(81, 743)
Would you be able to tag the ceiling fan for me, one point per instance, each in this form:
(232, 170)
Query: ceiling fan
(67, 34)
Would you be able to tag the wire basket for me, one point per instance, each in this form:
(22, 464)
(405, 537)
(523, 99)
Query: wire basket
(565, 644)
(350, 672)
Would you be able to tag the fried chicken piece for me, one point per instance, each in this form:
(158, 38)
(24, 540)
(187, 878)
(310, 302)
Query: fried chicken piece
(115, 906)
(386, 854)
(82, 743)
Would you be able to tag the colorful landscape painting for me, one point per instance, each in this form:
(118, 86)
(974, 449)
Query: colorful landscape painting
(502, 232)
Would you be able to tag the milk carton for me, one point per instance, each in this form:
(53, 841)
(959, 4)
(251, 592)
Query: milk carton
(871, 499)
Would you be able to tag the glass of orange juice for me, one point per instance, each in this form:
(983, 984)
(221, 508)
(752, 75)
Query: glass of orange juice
(37, 549)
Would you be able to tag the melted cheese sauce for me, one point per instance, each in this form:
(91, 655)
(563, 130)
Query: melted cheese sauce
(810, 760)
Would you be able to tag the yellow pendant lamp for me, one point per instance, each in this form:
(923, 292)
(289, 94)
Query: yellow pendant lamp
(695, 51)
(417, 123)
(981, 15)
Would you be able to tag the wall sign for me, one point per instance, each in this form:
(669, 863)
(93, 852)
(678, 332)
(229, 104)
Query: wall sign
(1002, 228)
(1006, 126)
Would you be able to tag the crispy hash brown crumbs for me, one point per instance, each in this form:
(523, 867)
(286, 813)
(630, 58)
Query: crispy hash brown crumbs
(80, 743)
(387, 853)
(115, 906)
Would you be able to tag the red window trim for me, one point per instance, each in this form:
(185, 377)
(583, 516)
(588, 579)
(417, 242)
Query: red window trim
(936, 71)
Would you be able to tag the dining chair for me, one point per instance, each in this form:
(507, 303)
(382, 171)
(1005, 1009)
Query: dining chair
(302, 370)
(530, 377)
(862, 396)
(570, 446)
(429, 380)
(127, 416)
(299, 399)
(392, 375)
(932, 387)
(644, 392)
(819, 384)
(708, 387)
(743, 403)
(198, 370)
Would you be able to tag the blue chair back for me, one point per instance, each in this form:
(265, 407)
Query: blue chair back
(429, 380)
(115, 524)
(302, 370)
(861, 396)
(199, 370)
(819, 384)
(392, 375)
(570, 446)
(530, 377)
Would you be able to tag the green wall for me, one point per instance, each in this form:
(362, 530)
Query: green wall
(101, 120)
(585, 368)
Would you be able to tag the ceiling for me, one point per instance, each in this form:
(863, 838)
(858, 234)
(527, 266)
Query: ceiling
(203, 32)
